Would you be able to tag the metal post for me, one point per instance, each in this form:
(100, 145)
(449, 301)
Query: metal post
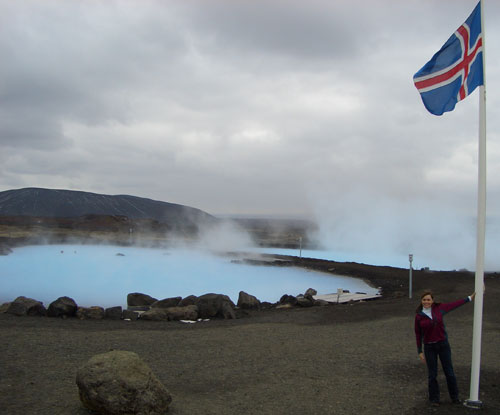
(410, 284)
(340, 291)
(300, 247)
(474, 401)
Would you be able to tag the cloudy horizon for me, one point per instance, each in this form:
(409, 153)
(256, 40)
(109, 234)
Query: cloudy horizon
(251, 108)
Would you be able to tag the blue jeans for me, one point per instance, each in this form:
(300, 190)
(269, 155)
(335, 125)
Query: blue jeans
(432, 351)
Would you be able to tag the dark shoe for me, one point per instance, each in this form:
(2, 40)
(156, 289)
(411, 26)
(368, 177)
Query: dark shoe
(456, 401)
(434, 403)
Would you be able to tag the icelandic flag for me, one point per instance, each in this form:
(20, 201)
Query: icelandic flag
(456, 70)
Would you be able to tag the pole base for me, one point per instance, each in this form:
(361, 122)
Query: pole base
(473, 404)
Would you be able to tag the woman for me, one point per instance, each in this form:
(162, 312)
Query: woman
(429, 329)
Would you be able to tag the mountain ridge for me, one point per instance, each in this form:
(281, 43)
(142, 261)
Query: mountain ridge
(43, 202)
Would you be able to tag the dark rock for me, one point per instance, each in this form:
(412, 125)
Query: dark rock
(189, 300)
(23, 306)
(167, 302)
(5, 250)
(247, 301)
(130, 315)
(90, 313)
(113, 313)
(242, 313)
(62, 307)
(119, 382)
(266, 305)
(189, 312)
(155, 314)
(321, 303)
(310, 292)
(215, 305)
(227, 311)
(4, 307)
(137, 308)
(288, 299)
(139, 299)
(304, 302)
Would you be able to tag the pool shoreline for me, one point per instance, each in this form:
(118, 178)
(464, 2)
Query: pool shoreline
(72, 270)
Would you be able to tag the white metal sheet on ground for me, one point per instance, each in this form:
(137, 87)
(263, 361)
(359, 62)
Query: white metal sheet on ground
(343, 297)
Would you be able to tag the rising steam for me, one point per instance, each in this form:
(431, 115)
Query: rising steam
(439, 237)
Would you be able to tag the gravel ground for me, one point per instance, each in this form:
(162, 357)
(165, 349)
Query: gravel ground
(342, 359)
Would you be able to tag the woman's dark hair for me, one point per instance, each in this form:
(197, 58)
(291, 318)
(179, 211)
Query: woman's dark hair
(426, 292)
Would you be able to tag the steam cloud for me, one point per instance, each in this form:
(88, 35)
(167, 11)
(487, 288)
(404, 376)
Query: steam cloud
(226, 236)
(387, 230)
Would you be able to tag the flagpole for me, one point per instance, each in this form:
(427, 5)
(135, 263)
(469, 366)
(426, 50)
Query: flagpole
(473, 400)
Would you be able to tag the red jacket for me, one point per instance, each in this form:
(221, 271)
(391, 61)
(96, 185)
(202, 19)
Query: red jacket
(432, 331)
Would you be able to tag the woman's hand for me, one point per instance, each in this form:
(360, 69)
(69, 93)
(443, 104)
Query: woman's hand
(422, 358)
(474, 293)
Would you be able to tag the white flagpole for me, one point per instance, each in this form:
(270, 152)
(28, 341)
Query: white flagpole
(473, 400)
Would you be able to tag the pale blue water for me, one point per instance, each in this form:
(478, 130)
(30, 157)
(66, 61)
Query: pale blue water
(95, 275)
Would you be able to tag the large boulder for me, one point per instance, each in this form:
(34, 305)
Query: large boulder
(247, 301)
(23, 306)
(304, 301)
(90, 313)
(288, 299)
(120, 383)
(189, 312)
(62, 307)
(215, 305)
(155, 314)
(310, 292)
(139, 299)
(189, 300)
(113, 313)
(167, 302)
(4, 307)
(321, 303)
(130, 315)
(308, 300)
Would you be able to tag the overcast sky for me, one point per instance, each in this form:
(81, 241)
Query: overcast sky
(251, 107)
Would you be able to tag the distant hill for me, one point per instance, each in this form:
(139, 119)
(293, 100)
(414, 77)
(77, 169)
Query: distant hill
(38, 202)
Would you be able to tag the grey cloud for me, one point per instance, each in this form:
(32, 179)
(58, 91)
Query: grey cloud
(275, 35)
(26, 129)
(261, 106)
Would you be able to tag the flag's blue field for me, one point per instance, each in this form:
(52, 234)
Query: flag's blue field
(104, 275)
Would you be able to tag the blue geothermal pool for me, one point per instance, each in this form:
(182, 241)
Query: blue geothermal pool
(104, 275)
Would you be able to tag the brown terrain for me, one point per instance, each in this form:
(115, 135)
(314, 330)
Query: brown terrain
(121, 230)
(357, 358)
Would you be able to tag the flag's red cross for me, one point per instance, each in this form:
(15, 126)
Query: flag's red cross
(459, 68)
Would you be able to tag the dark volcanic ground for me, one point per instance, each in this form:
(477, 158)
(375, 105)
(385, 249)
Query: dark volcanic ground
(345, 359)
